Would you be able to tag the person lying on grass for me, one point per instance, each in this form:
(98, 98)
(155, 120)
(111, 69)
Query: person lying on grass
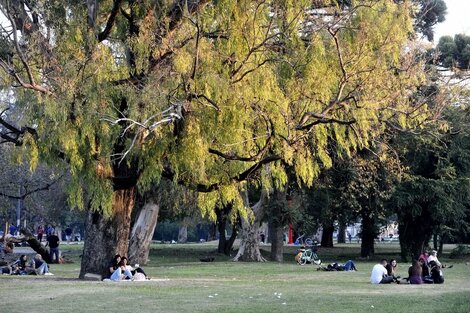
(338, 267)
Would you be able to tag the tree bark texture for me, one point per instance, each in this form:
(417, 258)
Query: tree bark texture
(142, 232)
(277, 204)
(277, 243)
(368, 235)
(107, 236)
(225, 244)
(249, 246)
(183, 234)
(342, 233)
(327, 235)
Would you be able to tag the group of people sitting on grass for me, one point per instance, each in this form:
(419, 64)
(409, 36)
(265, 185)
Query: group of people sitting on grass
(36, 266)
(119, 269)
(426, 269)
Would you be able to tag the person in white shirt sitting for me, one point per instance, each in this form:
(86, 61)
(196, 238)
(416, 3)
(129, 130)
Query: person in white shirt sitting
(433, 257)
(379, 274)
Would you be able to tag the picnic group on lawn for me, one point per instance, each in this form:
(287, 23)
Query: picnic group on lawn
(426, 269)
(24, 266)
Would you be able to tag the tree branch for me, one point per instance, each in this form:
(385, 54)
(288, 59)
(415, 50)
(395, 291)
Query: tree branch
(109, 24)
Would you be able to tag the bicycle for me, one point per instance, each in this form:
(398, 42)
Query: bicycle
(308, 255)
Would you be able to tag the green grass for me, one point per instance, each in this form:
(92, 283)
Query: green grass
(180, 283)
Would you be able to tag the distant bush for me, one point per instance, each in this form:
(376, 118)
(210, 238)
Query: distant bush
(461, 251)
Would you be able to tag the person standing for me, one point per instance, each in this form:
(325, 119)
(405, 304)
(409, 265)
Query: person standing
(379, 273)
(68, 234)
(53, 242)
(40, 233)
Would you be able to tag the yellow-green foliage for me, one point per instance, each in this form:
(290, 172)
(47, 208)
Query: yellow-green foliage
(252, 86)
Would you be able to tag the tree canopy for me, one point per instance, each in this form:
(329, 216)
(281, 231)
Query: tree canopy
(205, 91)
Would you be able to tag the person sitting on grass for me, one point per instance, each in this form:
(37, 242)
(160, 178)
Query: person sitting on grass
(40, 265)
(113, 265)
(433, 258)
(131, 269)
(379, 274)
(121, 272)
(20, 267)
(437, 276)
(392, 267)
(415, 273)
(6, 247)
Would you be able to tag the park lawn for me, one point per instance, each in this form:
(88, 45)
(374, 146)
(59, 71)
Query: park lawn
(180, 283)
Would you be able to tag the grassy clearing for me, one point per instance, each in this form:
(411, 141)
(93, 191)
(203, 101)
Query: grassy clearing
(183, 284)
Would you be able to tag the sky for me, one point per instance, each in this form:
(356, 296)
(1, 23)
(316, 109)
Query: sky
(457, 20)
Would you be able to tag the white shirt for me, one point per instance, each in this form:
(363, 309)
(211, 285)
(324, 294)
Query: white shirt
(378, 272)
(433, 258)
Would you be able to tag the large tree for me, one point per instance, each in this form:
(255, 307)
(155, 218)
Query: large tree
(205, 93)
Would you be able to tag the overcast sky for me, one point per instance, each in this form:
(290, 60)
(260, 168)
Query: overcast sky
(457, 19)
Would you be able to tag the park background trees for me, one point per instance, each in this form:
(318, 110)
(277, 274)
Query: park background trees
(213, 95)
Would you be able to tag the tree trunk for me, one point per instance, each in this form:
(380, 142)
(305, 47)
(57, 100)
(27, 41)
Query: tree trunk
(249, 245)
(107, 236)
(212, 234)
(277, 243)
(142, 233)
(183, 234)
(36, 245)
(229, 243)
(342, 233)
(225, 245)
(327, 235)
(368, 236)
(221, 224)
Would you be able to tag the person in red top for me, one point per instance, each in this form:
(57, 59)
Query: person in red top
(40, 233)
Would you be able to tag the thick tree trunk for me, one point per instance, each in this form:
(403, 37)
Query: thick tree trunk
(107, 236)
(368, 236)
(183, 234)
(342, 233)
(277, 243)
(142, 233)
(327, 235)
(249, 245)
